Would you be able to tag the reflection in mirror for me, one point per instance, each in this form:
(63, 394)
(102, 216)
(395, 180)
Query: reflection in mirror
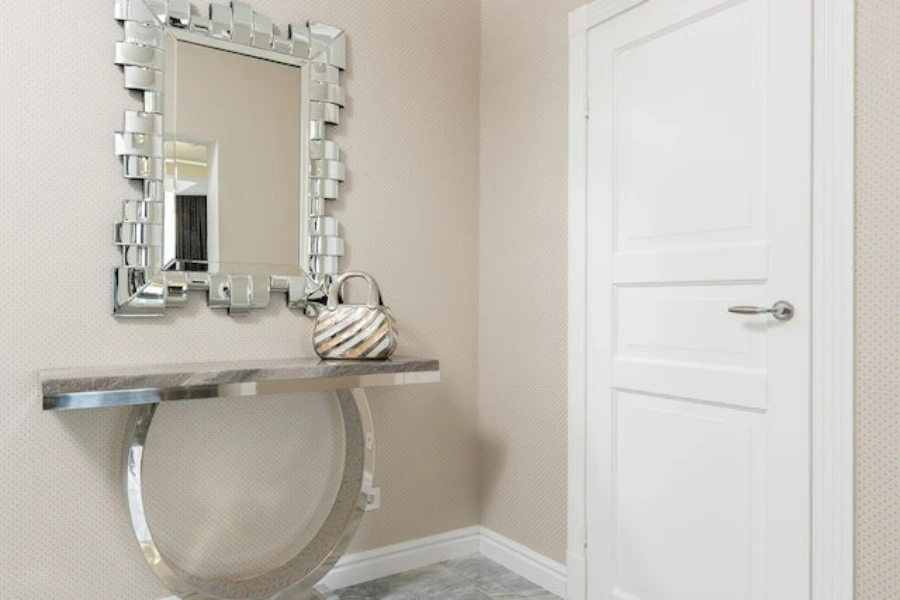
(187, 202)
(233, 198)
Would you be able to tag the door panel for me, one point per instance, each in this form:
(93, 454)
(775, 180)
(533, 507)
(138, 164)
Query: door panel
(689, 324)
(688, 132)
(669, 492)
(698, 200)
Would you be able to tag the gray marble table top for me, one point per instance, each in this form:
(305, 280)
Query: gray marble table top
(107, 386)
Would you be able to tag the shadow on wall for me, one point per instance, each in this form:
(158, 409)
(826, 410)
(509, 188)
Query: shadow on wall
(492, 455)
(103, 453)
(99, 466)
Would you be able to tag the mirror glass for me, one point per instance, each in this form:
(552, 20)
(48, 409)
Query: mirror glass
(233, 184)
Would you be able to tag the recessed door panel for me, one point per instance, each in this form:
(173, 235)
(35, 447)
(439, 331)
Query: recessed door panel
(688, 488)
(690, 324)
(688, 131)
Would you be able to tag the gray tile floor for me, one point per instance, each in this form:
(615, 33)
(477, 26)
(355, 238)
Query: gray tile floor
(469, 578)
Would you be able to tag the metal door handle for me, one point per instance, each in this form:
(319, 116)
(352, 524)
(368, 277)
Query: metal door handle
(781, 310)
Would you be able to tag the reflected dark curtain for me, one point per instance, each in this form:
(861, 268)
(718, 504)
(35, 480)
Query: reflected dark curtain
(190, 242)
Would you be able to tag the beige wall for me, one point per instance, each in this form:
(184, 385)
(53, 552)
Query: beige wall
(878, 300)
(410, 215)
(522, 264)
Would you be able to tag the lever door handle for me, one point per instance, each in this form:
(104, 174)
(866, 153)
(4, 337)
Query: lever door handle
(781, 310)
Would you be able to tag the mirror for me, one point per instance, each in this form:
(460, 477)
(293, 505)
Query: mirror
(232, 162)
(232, 156)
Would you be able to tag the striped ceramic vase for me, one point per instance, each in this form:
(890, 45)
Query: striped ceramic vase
(355, 331)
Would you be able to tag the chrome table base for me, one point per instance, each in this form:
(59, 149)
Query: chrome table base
(295, 579)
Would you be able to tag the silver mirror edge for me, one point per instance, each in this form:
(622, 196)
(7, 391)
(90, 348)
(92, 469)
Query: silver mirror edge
(142, 288)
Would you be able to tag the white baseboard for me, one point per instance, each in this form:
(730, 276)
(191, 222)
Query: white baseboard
(399, 558)
(523, 561)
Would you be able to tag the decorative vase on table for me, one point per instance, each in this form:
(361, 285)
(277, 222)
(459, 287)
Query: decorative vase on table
(355, 331)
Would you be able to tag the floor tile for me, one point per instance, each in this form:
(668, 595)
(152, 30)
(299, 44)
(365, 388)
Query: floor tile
(469, 578)
(536, 595)
(489, 577)
(430, 582)
(463, 591)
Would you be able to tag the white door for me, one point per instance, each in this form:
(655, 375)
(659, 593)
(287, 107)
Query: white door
(698, 197)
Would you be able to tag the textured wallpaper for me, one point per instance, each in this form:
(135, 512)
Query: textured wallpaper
(226, 471)
(878, 300)
(522, 257)
(470, 255)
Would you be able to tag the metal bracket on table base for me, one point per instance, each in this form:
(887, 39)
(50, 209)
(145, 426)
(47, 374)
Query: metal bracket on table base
(295, 579)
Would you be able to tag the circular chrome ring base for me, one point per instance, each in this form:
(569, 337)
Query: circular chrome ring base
(295, 579)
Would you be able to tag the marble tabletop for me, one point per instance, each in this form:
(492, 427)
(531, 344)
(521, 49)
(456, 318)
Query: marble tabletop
(114, 386)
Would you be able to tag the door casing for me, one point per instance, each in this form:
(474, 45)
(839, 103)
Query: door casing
(832, 293)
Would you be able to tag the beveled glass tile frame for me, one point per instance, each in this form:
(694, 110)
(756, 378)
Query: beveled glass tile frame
(143, 287)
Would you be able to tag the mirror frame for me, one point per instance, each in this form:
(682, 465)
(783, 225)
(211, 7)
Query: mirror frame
(142, 287)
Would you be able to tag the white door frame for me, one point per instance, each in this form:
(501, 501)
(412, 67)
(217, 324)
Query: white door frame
(832, 293)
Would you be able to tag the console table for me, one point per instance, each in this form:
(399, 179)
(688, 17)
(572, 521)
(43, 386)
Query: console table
(145, 388)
